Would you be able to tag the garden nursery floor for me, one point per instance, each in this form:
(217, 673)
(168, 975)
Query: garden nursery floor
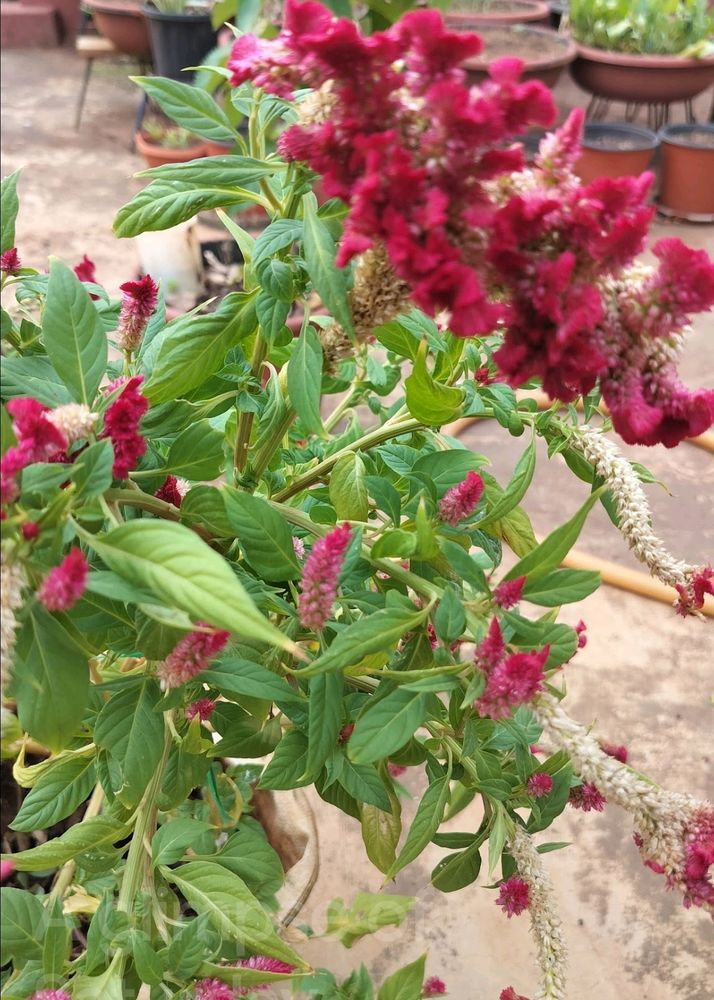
(628, 938)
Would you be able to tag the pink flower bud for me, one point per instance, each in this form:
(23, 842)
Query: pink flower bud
(461, 501)
(514, 896)
(320, 578)
(64, 585)
(138, 303)
(190, 656)
(539, 784)
(10, 262)
(508, 594)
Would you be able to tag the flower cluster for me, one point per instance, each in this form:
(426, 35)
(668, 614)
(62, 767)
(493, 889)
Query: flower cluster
(191, 655)
(121, 426)
(587, 797)
(138, 302)
(433, 987)
(38, 440)
(511, 679)
(12, 581)
(203, 709)
(214, 989)
(508, 593)
(171, 491)
(10, 262)
(320, 577)
(86, 270)
(64, 585)
(539, 784)
(50, 995)
(510, 994)
(513, 896)
(461, 500)
(406, 143)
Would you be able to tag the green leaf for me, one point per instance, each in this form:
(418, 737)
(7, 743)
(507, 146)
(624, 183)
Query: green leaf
(450, 617)
(231, 907)
(73, 334)
(33, 376)
(56, 945)
(429, 401)
(288, 764)
(58, 792)
(463, 565)
(192, 348)
(184, 572)
(276, 237)
(348, 491)
(325, 719)
(562, 586)
(263, 535)
(22, 926)
(305, 380)
(149, 966)
(388, 725)
(551, 552)
(381, 830)
(206, 505)
(368, 913)
(188, 106)
(272, 314)
(363, 783)
(197, 453)
(107, 986)
(50, 681)
(517, 487)
(456, 871)
(552, 804)
(132, 731)
(397, 544)
(248, 854)
(406, 984)
(189, 947)
(243, 734)
(429, 815)
(372, 634)
(173, 838)
(319, 248)
(448, 468)
(398, 339)
(91, 834)
(244, 677)
(9, 206)
(91, 473)
(244, 977)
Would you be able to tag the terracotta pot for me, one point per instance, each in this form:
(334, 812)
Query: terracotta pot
(617, 150)
(623, 76)
(687, 185)
(544, 53)
(124, 24)
(499, 12)
(159, 156)
(213, 148)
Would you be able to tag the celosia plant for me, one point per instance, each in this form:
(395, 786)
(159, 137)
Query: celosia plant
(225, 540)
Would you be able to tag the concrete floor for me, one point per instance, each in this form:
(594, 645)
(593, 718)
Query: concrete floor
(644, 678)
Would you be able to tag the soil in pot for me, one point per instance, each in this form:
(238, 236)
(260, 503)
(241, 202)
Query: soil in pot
(617, 150)
(544, 52)
(466, 16)
(687, 183)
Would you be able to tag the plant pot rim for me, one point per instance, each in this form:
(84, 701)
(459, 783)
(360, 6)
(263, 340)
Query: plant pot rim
(676, 135)
(145, 145)
(155, 14)
(648, 138)
(636, 61)
(567, 46)
(129, 8)
(532, 10)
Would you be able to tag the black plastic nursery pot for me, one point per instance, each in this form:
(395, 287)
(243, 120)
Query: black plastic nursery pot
(178, 41)
(615, 150)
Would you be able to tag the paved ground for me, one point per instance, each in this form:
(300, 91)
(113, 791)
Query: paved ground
(644, 678)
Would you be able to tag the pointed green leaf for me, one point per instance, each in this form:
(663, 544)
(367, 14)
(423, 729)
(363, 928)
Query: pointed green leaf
(388, 725)
(188, 106)
(58, 792)
(429, 815)
(263, 535)
(330, 281)
(305, 380)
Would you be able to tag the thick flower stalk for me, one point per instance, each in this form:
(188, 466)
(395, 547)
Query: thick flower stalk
(64, 585)
(12, 581)
(191, 655)
(138, 302)
(121, 426)
(674, 832)
(635, 521)
(321, 577)
(545, 923)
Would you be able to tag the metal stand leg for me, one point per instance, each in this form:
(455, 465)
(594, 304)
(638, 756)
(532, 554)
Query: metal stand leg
(141, 111)
(83, 93)
(689, 111)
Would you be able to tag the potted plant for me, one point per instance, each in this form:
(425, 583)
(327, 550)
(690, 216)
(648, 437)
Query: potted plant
(468, 14)
(182, 34)
(544, 53)
(122, 22)
(615, 150)
(160, 142)
(220, 539)
(687, 168)
(650, 52)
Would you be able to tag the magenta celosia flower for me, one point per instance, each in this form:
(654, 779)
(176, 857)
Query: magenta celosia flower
(511, 682)
(191, 655)
(513, 896)
(396, 770)
(461, 500)
(121, 426)
(320, 577)
(691, 597)
(510, 994)
(86, 270)
(587, 797)
(508, 593)
(264, 964)
(203, 708)
(619, 752)
(581, 628)
(38, 440)
(64, 585)
(539, 784)
(345, 733)
(30, 530)
(491, 650)
(433, 987)
(10, 262)
(169, 491)
(138, 302)
(50, 995)
(213, 989)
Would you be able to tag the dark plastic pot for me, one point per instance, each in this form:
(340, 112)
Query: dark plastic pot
(687, 185)
(617, 150)
(178, 41)
(544, 52)
(623, 76)
(558, 10)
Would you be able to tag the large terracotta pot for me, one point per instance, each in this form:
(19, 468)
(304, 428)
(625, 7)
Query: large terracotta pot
(499, 12)
(623, 76)
(158, 156)
(544, 53)
(617, 150)
(687, 184)
(122, 22)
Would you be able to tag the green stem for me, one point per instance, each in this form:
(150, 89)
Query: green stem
(262, 459)
(66, 872)
(341, 408)
(245, 422)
